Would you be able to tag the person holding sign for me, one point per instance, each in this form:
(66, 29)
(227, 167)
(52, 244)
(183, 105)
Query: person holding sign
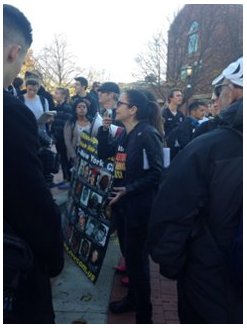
(134, 191)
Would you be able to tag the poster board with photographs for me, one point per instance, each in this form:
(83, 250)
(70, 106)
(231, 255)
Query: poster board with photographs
(86, 223)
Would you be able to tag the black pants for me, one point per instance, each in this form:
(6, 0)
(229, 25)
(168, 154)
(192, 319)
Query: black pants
(61, 149)
(137, 262)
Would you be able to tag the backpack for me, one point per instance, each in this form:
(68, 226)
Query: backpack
(17, 262)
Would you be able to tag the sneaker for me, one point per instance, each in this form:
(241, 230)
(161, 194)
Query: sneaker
(125, 281)
(121, 268)
(65, 185)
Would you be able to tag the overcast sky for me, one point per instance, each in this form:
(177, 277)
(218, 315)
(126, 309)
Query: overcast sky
(103, 34)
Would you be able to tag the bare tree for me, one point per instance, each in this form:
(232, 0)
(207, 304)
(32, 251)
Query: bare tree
(152, 63)
(57, 64)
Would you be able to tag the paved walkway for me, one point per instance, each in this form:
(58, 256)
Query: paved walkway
(77, 299)
(164, 299)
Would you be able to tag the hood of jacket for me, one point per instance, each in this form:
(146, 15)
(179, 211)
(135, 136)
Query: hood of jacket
(233, 115)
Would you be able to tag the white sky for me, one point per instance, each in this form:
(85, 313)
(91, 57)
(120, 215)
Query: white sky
(103, 34)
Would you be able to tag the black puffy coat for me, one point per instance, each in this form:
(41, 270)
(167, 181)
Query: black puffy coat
(195, 217)
(29, 208)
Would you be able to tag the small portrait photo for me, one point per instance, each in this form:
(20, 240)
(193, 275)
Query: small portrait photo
(104, 181)
(94, 258)
(81, 168)
(81, 219)
(85, 172)
(75, 243)
(93, 175)
(90, 226)
(95, 201)
(100, 233)
(84, 248)
(78, 190)
(85, 195)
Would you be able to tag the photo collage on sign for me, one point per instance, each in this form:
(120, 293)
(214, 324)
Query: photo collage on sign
(87, 214)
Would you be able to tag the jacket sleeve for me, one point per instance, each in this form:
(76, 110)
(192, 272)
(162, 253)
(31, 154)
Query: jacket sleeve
(68, 139)
(182, 195)
(106, 147)
(154, 149)
(28, 204)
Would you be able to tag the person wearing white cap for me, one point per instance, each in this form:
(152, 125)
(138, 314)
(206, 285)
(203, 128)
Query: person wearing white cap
(197, 215)
(229, 84)
(228, 89)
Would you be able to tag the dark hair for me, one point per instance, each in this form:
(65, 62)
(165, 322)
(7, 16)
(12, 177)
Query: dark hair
(95, 84)
(64, 92)
(171, 93)
(14, 23)
(195, 105)
(73, 118)
(146, 110)
(18, 81)
(83, 81)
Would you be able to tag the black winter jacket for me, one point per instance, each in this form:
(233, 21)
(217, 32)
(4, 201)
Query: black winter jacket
(29, 208)
(141, 184)
(195, 216)
(64, 112)
(171, 121)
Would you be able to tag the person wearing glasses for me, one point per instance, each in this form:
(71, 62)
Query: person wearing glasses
(196, 214)
(135, 186)
(224, 94)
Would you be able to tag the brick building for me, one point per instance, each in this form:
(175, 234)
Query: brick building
(202, 40)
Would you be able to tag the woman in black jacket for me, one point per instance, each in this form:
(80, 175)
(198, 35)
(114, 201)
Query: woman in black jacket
(136, 182)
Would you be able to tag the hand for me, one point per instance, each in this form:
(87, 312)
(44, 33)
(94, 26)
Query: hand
(117, 193)
(107, 121)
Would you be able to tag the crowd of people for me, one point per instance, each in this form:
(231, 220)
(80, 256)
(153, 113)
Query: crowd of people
(186, 217)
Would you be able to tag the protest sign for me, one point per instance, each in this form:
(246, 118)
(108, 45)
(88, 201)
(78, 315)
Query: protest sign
(86, 223)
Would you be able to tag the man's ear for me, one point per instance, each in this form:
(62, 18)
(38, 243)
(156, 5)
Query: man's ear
(13, 52)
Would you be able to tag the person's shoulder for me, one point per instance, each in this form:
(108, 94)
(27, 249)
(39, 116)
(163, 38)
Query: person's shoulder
(16, 109)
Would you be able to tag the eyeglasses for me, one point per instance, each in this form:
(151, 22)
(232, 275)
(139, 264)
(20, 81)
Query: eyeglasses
(119, 103)
(218, 88)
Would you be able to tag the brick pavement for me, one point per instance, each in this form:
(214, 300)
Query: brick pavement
(164, 299)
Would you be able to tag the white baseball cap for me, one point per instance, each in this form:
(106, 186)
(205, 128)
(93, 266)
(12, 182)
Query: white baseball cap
(233, 72)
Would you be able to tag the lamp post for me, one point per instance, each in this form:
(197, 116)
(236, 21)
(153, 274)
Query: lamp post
(187, 93)
(189, 72)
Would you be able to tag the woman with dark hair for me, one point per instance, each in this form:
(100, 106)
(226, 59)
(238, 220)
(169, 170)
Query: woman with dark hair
(134, 191)
(75, 126)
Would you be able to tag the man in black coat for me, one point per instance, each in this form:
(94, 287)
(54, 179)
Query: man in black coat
(28, 204)
(197, 212)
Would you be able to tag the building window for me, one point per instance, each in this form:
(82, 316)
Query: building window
(193, 37)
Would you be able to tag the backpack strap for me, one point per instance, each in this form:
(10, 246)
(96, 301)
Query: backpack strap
(42, 99)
